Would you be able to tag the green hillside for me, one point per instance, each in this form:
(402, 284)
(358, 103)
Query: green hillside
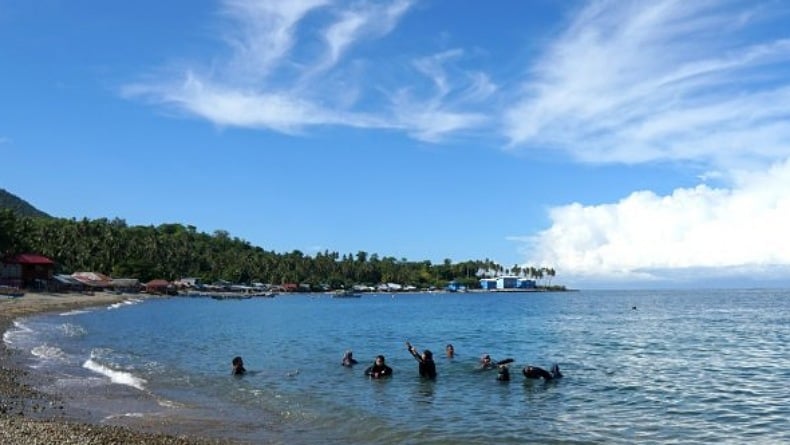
(19, 205)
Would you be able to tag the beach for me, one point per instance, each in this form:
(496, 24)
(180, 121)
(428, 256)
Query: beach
(28, 416)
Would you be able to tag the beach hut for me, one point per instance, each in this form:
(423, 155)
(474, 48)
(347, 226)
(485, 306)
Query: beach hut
(158, 287)
(93, 280)
(26, 270)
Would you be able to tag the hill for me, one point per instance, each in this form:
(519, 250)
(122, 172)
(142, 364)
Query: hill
(18, 205)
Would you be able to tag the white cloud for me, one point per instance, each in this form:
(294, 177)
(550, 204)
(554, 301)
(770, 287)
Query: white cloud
(636, 82)
(655, 238)
(274, 77)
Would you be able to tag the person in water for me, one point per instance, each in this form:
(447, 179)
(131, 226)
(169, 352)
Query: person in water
(486, 362)
(534, 372)
(348, 359)
(237, 366)
(503, 375)
(449, 350)
(427, 367)
(378, 369)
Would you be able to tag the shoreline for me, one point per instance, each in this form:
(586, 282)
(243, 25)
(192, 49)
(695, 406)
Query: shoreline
(29, 416)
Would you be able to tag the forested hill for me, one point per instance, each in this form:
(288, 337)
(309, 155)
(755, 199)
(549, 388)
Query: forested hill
(18, 205)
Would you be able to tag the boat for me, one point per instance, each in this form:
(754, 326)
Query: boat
(345, 293)
(11, 292)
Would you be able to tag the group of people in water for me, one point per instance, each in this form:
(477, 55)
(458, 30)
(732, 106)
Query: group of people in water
(427, 367)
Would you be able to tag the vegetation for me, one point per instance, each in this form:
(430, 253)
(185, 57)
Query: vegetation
(19, 205)
(173, 251)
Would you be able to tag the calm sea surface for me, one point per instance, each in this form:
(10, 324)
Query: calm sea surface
(683, 367)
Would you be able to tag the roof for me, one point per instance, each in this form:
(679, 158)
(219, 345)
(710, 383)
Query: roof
(67, 279)
(157, 283)
(94, 279)
(29, 258)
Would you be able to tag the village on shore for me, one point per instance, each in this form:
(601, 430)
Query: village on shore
(35, 272)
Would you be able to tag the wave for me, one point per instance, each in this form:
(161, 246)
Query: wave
(18, 334)
(115, 376)
(123, 303)
(74, 312)
(47, 352)
(73, 330)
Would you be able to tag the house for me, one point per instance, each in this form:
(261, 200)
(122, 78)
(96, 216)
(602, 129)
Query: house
(158, 287)
(26, 270)
(127, 285)
(65, 283)
(93, 280)
(506, 282)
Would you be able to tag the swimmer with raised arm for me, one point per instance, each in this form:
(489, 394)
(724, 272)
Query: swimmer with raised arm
(427, 367)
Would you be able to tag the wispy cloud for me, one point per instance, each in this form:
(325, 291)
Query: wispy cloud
(270, 80)
(282, 76)
(634, 82)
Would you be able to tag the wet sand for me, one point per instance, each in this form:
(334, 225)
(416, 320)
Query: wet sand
(28, 416)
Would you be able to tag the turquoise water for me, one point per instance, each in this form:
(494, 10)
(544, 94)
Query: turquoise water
(684, 366)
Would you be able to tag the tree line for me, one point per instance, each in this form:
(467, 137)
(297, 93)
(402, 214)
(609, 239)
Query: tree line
(173, 251)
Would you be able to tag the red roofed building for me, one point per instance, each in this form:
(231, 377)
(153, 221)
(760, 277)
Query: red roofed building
(159, 287)
(25, 269)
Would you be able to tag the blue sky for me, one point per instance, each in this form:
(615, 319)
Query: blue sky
(623, 143)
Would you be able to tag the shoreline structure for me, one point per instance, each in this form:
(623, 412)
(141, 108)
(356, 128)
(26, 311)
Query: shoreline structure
(29, 416)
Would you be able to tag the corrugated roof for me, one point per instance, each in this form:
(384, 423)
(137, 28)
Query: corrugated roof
(30, 258)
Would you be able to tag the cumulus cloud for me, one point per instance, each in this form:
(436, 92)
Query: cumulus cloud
(643, 82)
(649, 237)
(635, 82)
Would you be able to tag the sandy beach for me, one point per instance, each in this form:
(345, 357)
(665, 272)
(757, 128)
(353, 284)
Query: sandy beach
(28, 416)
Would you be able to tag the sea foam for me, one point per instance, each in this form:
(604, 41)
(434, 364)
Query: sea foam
(124, 303)
(74, 312)
(118, 377)
(47, 352)
(20, 333)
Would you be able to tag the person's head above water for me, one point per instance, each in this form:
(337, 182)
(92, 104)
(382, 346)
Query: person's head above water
(450, 350)
(380, 359)
(238, 365)
(427, 354)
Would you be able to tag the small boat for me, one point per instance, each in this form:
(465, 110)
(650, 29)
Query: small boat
(11, 292)
(345, 293)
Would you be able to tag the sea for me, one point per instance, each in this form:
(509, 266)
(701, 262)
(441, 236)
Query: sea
(666, 366)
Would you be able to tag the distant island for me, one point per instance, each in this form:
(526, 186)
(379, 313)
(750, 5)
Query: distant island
(174, 251)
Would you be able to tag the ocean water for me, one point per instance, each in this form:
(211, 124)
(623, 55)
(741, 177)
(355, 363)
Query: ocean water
(640, 367)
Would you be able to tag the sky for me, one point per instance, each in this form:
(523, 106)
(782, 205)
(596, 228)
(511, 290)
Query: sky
(622, 143)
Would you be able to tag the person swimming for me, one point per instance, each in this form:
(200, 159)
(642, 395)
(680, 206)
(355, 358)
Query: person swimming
(486, 362)
(449, 350)
(237, 366)
(427, 367)
(535, 372)
(348, 359)
(503, 375)
(378, 369)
